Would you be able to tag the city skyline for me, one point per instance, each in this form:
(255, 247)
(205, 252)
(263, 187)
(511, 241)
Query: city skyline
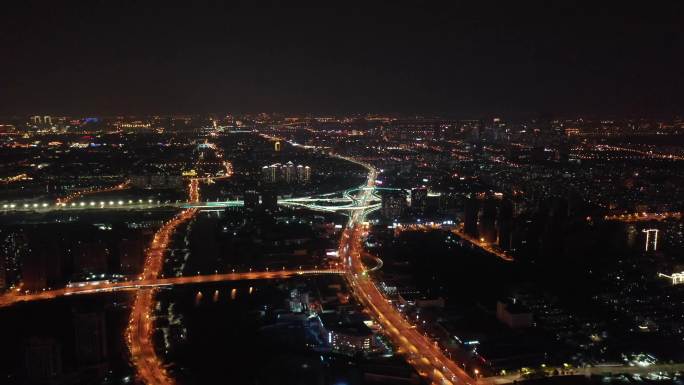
(358, 193)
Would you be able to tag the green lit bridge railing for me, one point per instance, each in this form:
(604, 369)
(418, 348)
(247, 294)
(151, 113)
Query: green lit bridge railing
(327, 202)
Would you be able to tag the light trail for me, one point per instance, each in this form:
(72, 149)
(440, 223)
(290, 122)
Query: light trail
(643, 217)
(489, 248)
(479, 243)
(149, 367)
(73, 196)
(316, 207)
(648, 154)
(138, 205)
(15, 178)
(598, 370)
(313, 203)
(423, 354)
(193, 192)
(108, 287)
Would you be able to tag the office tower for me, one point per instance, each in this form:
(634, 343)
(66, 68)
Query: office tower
(419, 200)
(277, 146)
(471, 211)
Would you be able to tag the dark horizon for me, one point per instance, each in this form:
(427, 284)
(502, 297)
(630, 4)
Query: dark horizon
(565, 59)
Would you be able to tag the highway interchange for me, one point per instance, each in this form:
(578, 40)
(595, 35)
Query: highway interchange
(423, 353)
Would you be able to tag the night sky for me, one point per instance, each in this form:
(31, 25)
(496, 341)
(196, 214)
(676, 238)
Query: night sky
(496, 58)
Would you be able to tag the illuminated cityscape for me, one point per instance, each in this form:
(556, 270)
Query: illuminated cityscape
(341, 194)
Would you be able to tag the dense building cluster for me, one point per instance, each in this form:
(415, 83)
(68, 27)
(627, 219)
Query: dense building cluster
(286, 173)
(476, 232)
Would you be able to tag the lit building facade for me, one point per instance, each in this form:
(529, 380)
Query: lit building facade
(288, 173)
(651, 239)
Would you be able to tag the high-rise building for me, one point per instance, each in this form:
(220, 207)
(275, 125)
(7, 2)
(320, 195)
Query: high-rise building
(269, 199)
(471, 210)
(631, 234)
(269, 174)
(307, 174)
(37, 119)
(554, 233)
(393, 205)
(300, 173)
(34, 271)
(273, 176)
(43, 360)
(505, 224)
(651, 239)
(513, 314)
(265, 173)
(277, 146)
(289, 173)
(446, 204)
(419, 200)
(90, 338)
(3, 273)
(488, 221)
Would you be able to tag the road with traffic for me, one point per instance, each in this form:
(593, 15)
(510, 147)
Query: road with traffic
(458, 231)
(149, 366)
(422, 353)
(96, 287)
(138, 334)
